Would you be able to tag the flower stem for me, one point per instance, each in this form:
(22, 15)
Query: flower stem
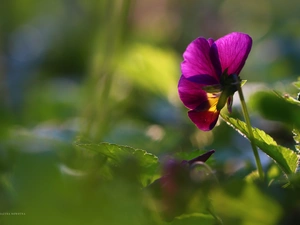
(207, 168)
(247, 120)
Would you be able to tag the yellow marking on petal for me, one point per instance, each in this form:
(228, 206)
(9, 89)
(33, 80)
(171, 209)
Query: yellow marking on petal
(213, 101)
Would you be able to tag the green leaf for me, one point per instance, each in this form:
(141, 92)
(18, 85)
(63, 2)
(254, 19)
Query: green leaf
(194, 218)
(116, 154)
(243, 82)
(296, 133)
(286, 158)
(277, 107)
(297, 84)
(245, 203)
(252, 177)
(287, 98)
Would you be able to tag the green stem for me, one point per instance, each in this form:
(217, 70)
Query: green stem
(210, 206)
(212, 212)
(247, 120)
(207, 168)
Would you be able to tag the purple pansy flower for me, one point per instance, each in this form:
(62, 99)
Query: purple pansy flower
(206, 83)
(175, 188)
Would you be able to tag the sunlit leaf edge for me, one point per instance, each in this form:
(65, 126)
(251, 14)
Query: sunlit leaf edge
(296, 136)
(287, 97)
(194, 218)
(148, 162)
(286, 158)
(297, 84)
(128, 149)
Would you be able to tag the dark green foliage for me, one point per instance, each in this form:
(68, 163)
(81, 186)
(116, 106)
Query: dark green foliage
(277, 107)
(134, 162)
(108, 70)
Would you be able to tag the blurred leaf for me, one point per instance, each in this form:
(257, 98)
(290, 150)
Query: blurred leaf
(45, 102)
(152, 68)
(287, 98)
(297, 83)
(286, 158)
(194, 218)
(148, 163)
(277, 108)
(42, 192)
(246, 206)
(273, 172)
(243, 82)
(253, 176)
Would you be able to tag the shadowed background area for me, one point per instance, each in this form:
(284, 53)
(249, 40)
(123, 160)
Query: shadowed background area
(107, 71)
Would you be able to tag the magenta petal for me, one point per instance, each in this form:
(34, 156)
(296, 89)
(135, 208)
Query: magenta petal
(233, 50)
(197, 59)
(210, 41)
(191, 93)
(204, 120)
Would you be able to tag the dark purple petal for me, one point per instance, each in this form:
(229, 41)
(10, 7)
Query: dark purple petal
(229, 103)
(203, 79)
(233, 50)
(191, 93)
(202, 158)
(214, 58)
(197, 59)
(210, 41)
(204, 120)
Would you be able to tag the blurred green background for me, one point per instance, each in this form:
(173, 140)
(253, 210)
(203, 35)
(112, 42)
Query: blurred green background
(107, 71)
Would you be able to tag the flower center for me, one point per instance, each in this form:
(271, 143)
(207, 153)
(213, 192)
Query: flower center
(218, 94)
(228, 87)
